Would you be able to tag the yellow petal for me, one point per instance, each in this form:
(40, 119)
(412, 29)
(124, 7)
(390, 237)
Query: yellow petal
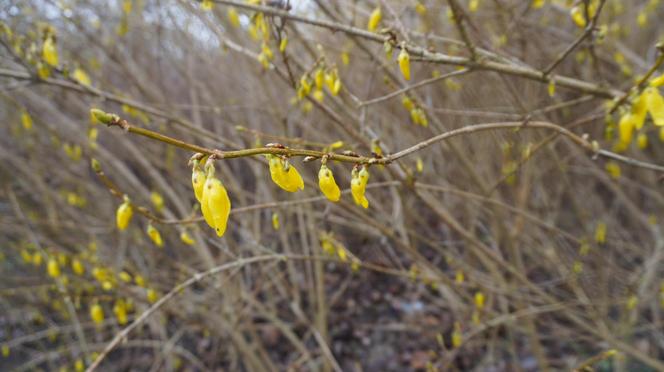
(198, 182)
(289, 180)
(155, 236)
(97, 314)
(327, 184)
(123, 215)
(233, 17)
(578, 17)
(49, 52)
(26, 120)
(626, 128)
(53, 268)
(655, 104)
(358, 186)
(205, 209)
(374, 19)
(404, 63)
(639, 110)
(218, 203)
(186, 238)
(81, 77)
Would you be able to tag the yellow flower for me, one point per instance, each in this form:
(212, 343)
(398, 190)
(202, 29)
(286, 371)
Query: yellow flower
(407, 103)
(404, 63)
(285, 175)
(155, 236)
(283, 44)
(327, 184)
(49, 52)
(642, 141)
(578, 17)
(207, 5)
(358, 186)
(657, 82)
(151, 295)
(26, 120)
(157, 200)
(479, 300)
(275, 221)
(198, 181)
(97, 314)
(5, 350)
(53, 268)
(233, 17)
(319, 78)
(125, 276)
(600, 233)
(81, 77)
(77, 266)
(613, 169)
(626, 128)
(123, 214)
(473, 5)
(640, 110)
(419, 165)
(186, 238)
(120, 310)
(552, 87)
(655, 105)
(139, 280)
(457, 336)
(217, 201)
(538, 4)
(374, 19)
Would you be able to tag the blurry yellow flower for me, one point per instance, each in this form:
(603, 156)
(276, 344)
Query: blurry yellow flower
(81, 77)
(151, 295)
(613, 169)
(207, 5)
(186, 238)
(655, 105)
(26, 120)
(283, 44)
(155, 236)
(374, 19)
(120, 310)
(577, 16)
(600, 233)
(404, 63)
(327, 184)
(157, 201)
(626, 128)
(77, 266)
(275, 221)
(97, 314)
(479, 300)
(53, 268)
(49, 51)
(457, 336)
(233, 17)
(123, 215)
(642, 141)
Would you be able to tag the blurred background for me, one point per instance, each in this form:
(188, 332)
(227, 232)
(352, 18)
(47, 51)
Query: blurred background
(495, 250)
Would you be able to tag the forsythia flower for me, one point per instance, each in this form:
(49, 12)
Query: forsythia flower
(155, 236)
(358, 186)
(578, 17)
(26, 120)
(198, 181)
(123, 214)
(215, 203)
(479, 300)
(49, 52)
(327, 184)
(283, 44)
(81, 77)
(655, 105)
(233, 17)
(207, 5)
(120, 310)
(77, 266)
(626, 128)
(374, 19)
(186, 238)
(152, 295)
(157, 200)
(275, 221)
(404, 63)
(53, 268)
(97, 314)
(285, 175)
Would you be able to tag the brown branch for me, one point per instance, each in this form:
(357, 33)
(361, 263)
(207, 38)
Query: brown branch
(114, 120)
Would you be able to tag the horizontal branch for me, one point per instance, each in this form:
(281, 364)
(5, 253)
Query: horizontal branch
(437, 57)
(114, 120)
